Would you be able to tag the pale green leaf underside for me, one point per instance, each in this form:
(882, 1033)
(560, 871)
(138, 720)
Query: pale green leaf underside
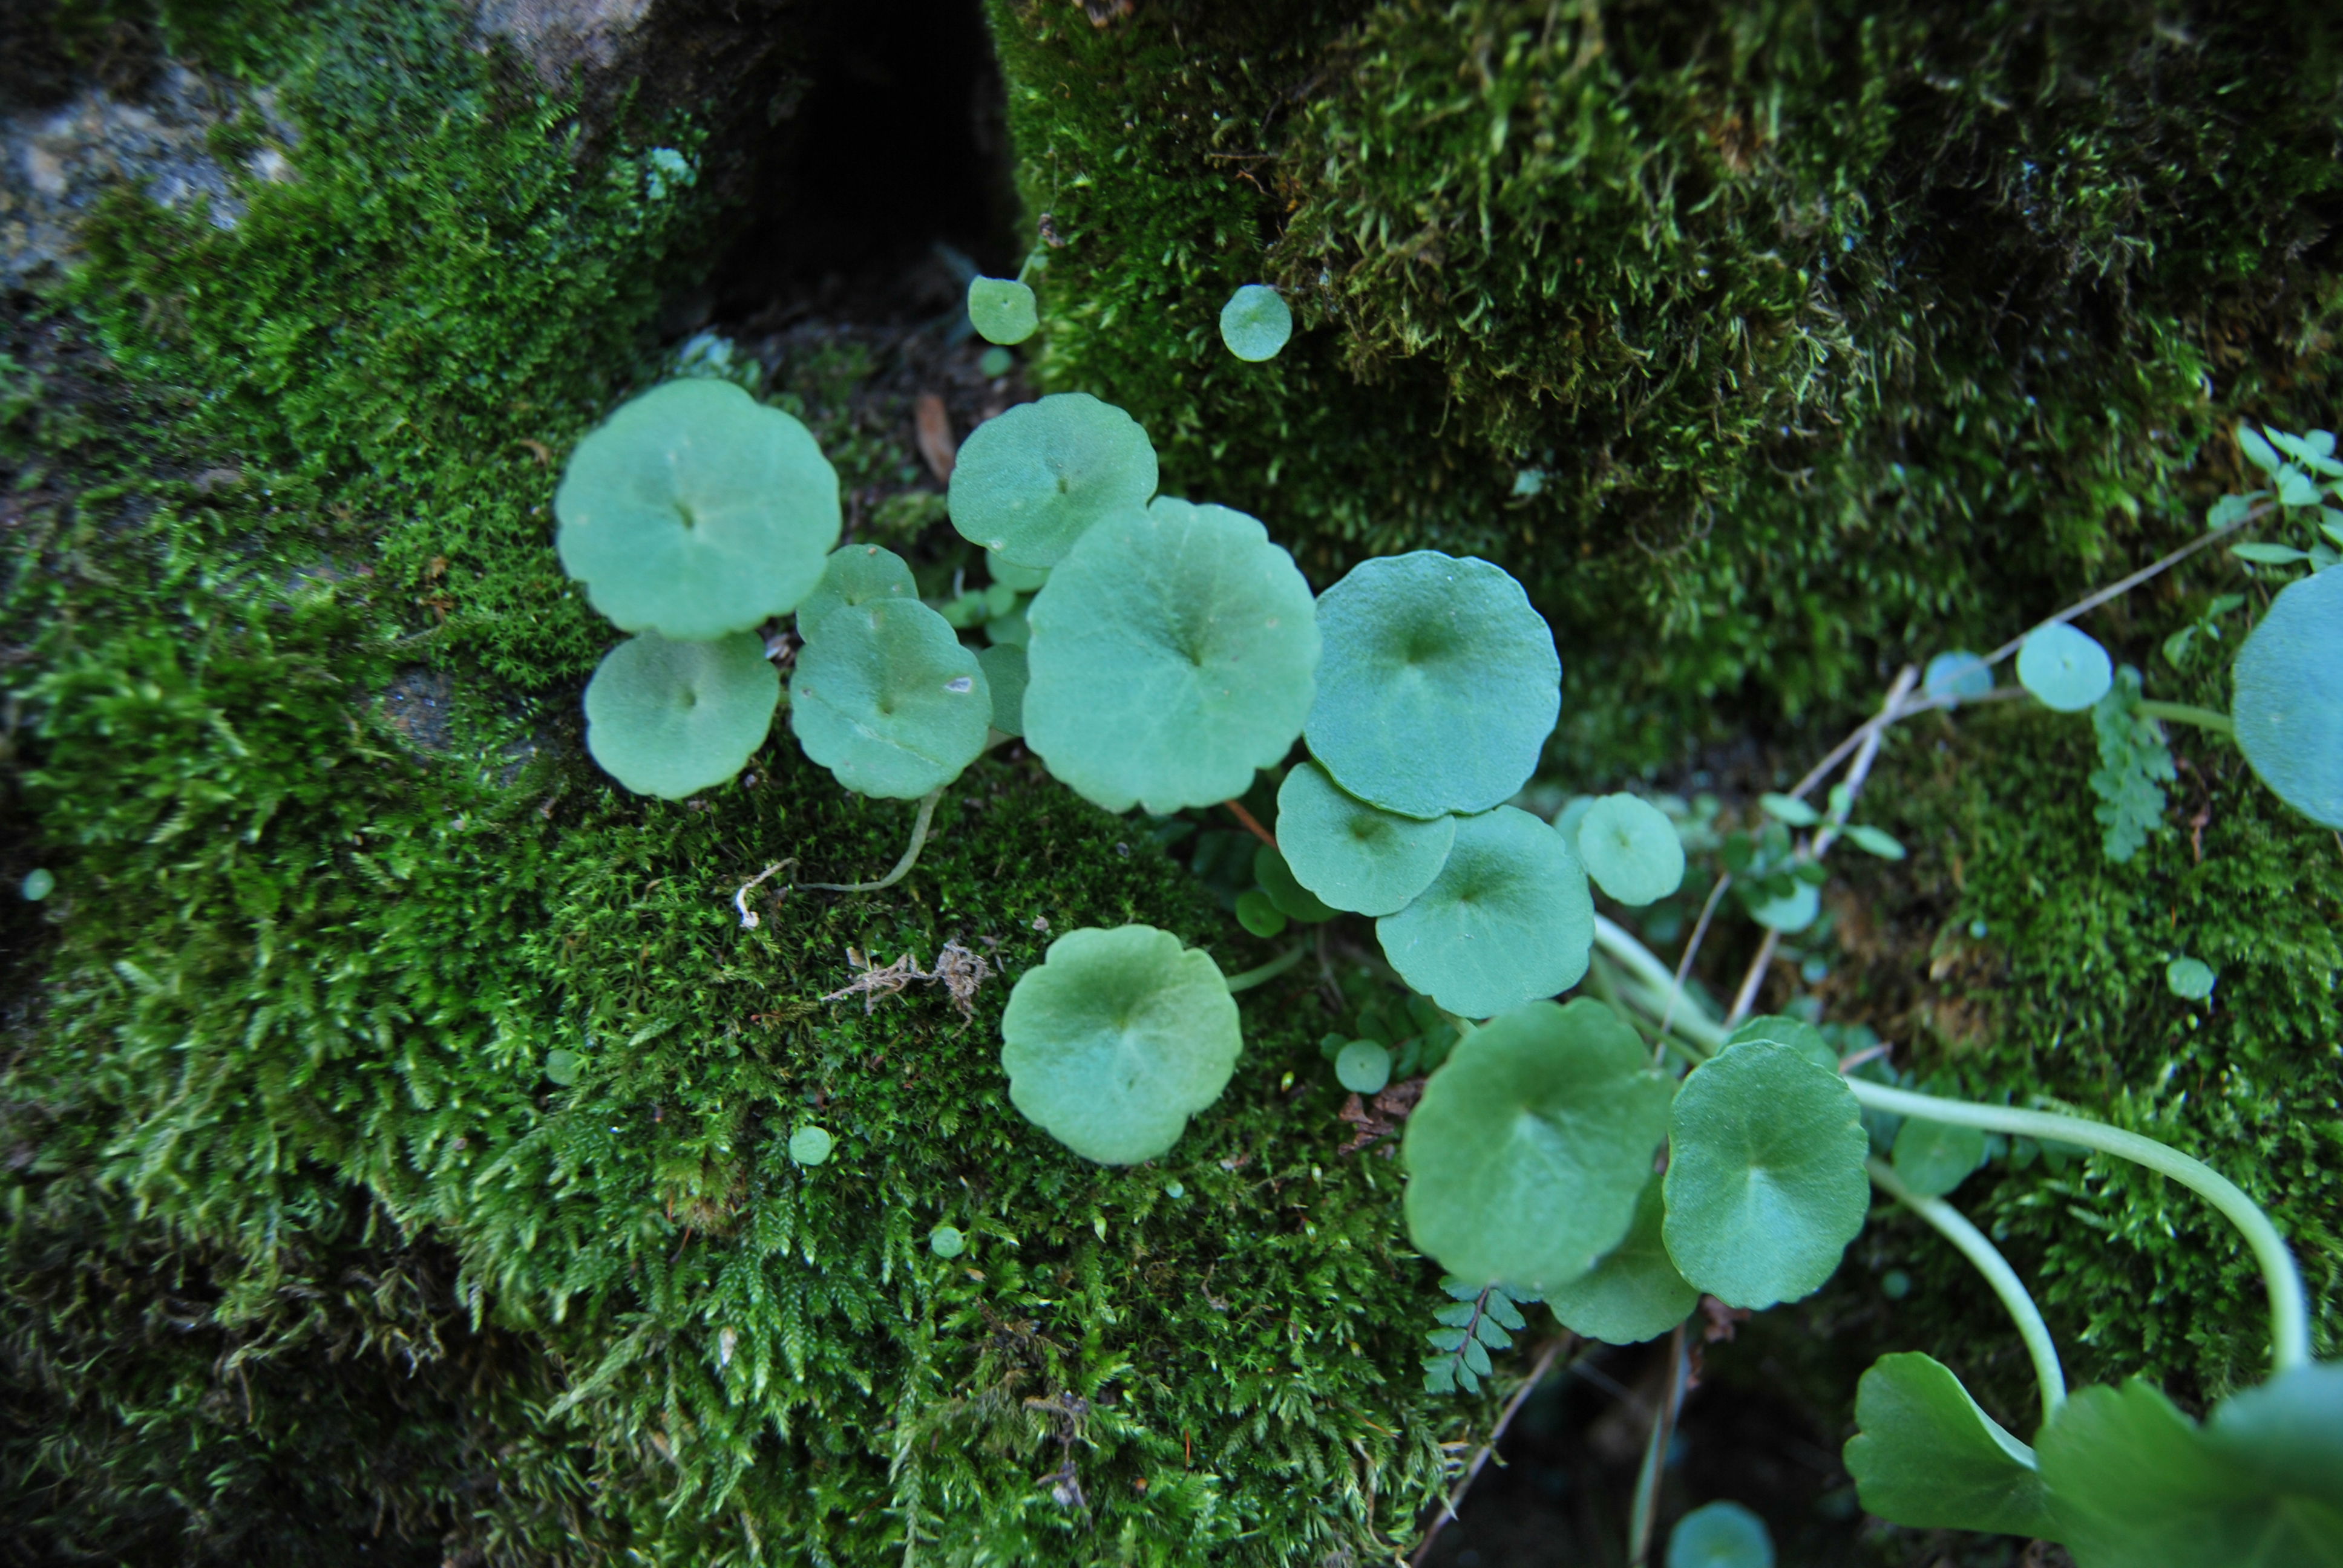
(2289, 698)
(2066, 669)
(670, 719)
(1631, 849)
(1027, 485)
(1634, 1294)
(1926, 1457)
(1353, 855)
(1507, 919)
(885, 696)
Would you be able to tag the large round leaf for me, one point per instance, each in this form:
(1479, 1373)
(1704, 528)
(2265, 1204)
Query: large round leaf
(2290, 701)
(694, 511)
(673, 718)
(1926, 1457)
(1027, 485)
(1531, 1142)
(1171, 655)
(859, 574)
(1631, 849)
(1439, 685)
(1507, 919)
(1635, 1293)
(2066, 669)
(1353, 855)
(885, 696)
(1116, 1039)
(1765, 1183)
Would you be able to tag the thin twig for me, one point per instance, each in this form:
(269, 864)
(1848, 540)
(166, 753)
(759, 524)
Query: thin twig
(1505, 1419)
(1647, 1480)
(1746, 997)
(1252, 824)
(2122, 585)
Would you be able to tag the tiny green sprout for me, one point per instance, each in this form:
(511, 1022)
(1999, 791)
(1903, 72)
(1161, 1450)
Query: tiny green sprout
(859, 574)
(1720, 1535)
(1006, 573)
(946, 1241)
(1027, 485)
(694, 510)
(1924, 1456)
(994, 363)
(2288, 707)
(811, 1145)
(672, 719)
(887, 698)
(2065, 670)
(1531, 1144)
(562, 1066)
(1276, 879)
(1507, 919)
(1439, 687)
(1634, 1294)
(39, 884)
(1362, 1067)
(1002, 310)
(1256, 322)
(2191, 979)
(1117, 1039)
(1631, 849)
(1004, 672)
(1172, 656)
(1957, 675)
(1353, 856)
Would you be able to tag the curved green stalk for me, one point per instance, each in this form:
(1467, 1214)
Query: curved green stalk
(2290, 1307)
(2185, 713)
(902, 867)
(1954, 1228)
(1275, 967)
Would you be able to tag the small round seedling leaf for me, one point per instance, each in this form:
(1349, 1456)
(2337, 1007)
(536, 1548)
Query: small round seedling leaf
(672, 718)
(885, 696)
(811, 1145)
(1792, 912)
(857, 575)
(1362, 1067)
(1276, 880)
(1635, 1293)
(1027, 485)
(1507, 919)
(1116, 1039)
(2191, 979)
(1002, 310)
(1439, 687)
(1720, 1535)
(1172, 656)
(562, 1066)
(694, 511)
(2066, 669)
(1765, 1185)
(1352, 855)
(1258, 913)
(1004, 671)
(1934, 1157)
(1007, 574)
(946, 1241)
(1256, 322)
(39, 884)
(1779, 1029)
(1928, 1457)
(1631, 849)
(2289, 698)
(1957, 675)
(1526, 1154)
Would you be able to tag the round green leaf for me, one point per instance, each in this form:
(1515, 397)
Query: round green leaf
(1720, 1535)
(1258, 913)
(2289, 698)
(2066, 669)
(1353, 855)
(859, 574)
(1027, 485)
(1173, 655)
(1116, 1039)
(1934, 1157)
(1507, 919)
(1362, 1067)
(39, 884)
(1957, 675)
(694, 511)
(995, 362)
(1765, 1184)
(562, 1066)
(2191, 979)
(1775, 1029)
(1276, 879)
(885, 696)
(1002, 310)
(1928, 1457)
(1256, 322)
(1631, 849)
(1793, 911)
(2289, 1430)
(811, 1145)
(946, 1241)
(1526, 1154)
(1004, 672)
(1635, 1293)
(672, 718)
(1439, 687)
(1007, 574)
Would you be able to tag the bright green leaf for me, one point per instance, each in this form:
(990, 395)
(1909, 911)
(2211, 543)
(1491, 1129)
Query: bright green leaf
(672, 718)
(2269, 555)
(1002, 310)
(1634, 1294)
(1791, 911)
(1508, 918)
(1789, 808)
(811, 1145)
(1352, 855)
(2294, 488)
(1363, 1067)
(2258, 451)
(946, 1241)
(562, 1066)
(1631, 849)
(1027, 485)
(1926, 1457)
(2065, 670)
(1958, 674)
(1256, 322)
(2134, 767)
(2289, 698)
(1872, 841)
(1934, 1157)
(859, 574)
(887, 698)
(2191, 979)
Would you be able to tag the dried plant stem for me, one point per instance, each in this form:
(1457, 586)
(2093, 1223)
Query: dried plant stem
(1645, 1513)
(1251, 823)
(1455, 1499)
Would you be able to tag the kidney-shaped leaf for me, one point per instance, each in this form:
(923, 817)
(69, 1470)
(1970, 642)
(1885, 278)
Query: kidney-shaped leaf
(1631, 849)
(1356, 856)
(1439, 687)
(1634, 1294)
(2289, 700)
(1256, 322)
(1002, 310)
(859, 574)
(1116, 1039)
(671, 718)
(1171, 655)
(1027, 485)
(885, 696)
(2066, 669)
(1531, 1142)
(694, 510)
(1507, 919)
(1924, 1456)
(1765, 1183)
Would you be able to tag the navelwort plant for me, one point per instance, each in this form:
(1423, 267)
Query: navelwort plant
(1616, 1159)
